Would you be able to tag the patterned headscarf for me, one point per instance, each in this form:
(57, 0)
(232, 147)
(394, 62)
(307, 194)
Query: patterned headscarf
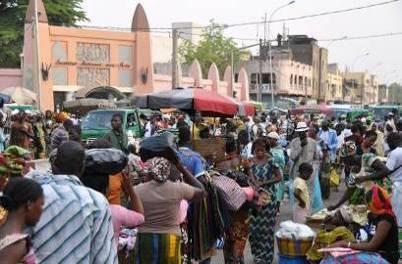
(379, 201)
(13, 161)
(160, 169)
(348, 149)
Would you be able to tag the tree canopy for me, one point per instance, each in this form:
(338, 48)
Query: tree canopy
(12, 19)
(213, 47)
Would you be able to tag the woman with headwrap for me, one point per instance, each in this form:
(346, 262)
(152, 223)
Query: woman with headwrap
(21, 131)
(357, 168)
(158, 239)
(385, 233)
(13, 163)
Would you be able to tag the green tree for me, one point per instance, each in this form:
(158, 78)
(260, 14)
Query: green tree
(213, 47)
(12, 19)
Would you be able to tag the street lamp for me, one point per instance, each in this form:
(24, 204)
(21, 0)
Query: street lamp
(335, 40)
(329, 44)
(358, 58)
(270, 50)
(353, 81)
(375, 66)
(232, 63)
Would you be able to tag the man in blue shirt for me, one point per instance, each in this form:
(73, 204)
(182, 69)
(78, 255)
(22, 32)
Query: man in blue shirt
(190, 159)
(329, 138)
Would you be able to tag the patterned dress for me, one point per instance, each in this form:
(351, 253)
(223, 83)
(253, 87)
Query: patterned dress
(262, 222)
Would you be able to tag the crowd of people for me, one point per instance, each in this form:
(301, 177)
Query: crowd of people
(76, 214)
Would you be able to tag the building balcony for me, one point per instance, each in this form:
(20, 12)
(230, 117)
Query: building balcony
(265, 88)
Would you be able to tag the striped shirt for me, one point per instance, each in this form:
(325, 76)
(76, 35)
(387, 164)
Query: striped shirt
(76, 224)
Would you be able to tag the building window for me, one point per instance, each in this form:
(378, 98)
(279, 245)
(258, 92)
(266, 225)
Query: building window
(301, 81)
(254, 78)
(125, 78)
(266, 78)
(126, 54)
(59, 51)
(59, 75)
(291, 79)
(305, 82)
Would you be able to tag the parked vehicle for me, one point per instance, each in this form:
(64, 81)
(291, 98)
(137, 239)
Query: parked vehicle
(98, 122)
(381, 111)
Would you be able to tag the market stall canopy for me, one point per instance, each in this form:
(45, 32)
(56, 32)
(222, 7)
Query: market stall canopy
(313, 109)
(190, 100)
(243, 108)
(101, 92)
(258, 105)
(20, 95)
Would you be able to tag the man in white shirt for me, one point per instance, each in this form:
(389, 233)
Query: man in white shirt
(394, 164)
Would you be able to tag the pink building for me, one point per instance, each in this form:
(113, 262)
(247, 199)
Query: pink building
(86, 58)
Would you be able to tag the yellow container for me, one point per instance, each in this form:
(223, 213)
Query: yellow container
(293, 247)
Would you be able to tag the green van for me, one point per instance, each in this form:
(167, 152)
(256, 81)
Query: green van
(98, 122)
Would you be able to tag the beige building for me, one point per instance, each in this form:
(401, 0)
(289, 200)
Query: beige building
(334, 88)
(361, 87)
(382, 93)
(289, 77)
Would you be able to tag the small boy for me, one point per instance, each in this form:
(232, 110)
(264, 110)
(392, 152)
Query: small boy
(300, 188)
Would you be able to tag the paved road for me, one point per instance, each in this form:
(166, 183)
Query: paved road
(285, 214)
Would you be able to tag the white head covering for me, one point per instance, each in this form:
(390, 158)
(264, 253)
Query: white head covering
(301, 127)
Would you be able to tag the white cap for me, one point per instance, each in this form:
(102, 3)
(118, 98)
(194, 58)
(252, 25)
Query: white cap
(301, 127)
(273, 135)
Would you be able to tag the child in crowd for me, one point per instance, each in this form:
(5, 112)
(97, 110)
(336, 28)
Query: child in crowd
(301, 193)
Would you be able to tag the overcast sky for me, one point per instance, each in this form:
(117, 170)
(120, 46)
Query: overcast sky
(385, 56)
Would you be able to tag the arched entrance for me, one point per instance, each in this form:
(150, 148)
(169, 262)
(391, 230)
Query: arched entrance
(101, 92)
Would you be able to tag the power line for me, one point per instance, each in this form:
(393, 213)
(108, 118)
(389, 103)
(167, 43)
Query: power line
(365, 37)
(390, 34)
(225, 26)
(313, 15)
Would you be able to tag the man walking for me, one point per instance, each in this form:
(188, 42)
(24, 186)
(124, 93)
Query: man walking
(76, 224)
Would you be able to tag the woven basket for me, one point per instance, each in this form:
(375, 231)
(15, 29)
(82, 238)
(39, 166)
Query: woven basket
(293, 247)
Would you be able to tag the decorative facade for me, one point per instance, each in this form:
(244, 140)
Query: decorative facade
(75, 58)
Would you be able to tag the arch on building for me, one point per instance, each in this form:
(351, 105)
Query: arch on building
(100, 92)
(213, 75)
(196, 73)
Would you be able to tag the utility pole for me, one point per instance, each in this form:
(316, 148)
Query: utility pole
(232, 74)
(174, 59)
(362, 92)
(36, 52)
(261, 57)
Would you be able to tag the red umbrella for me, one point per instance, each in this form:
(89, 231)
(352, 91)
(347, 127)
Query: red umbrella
(249, 108)
(313, 109)
(243, 108)
(190, 99)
